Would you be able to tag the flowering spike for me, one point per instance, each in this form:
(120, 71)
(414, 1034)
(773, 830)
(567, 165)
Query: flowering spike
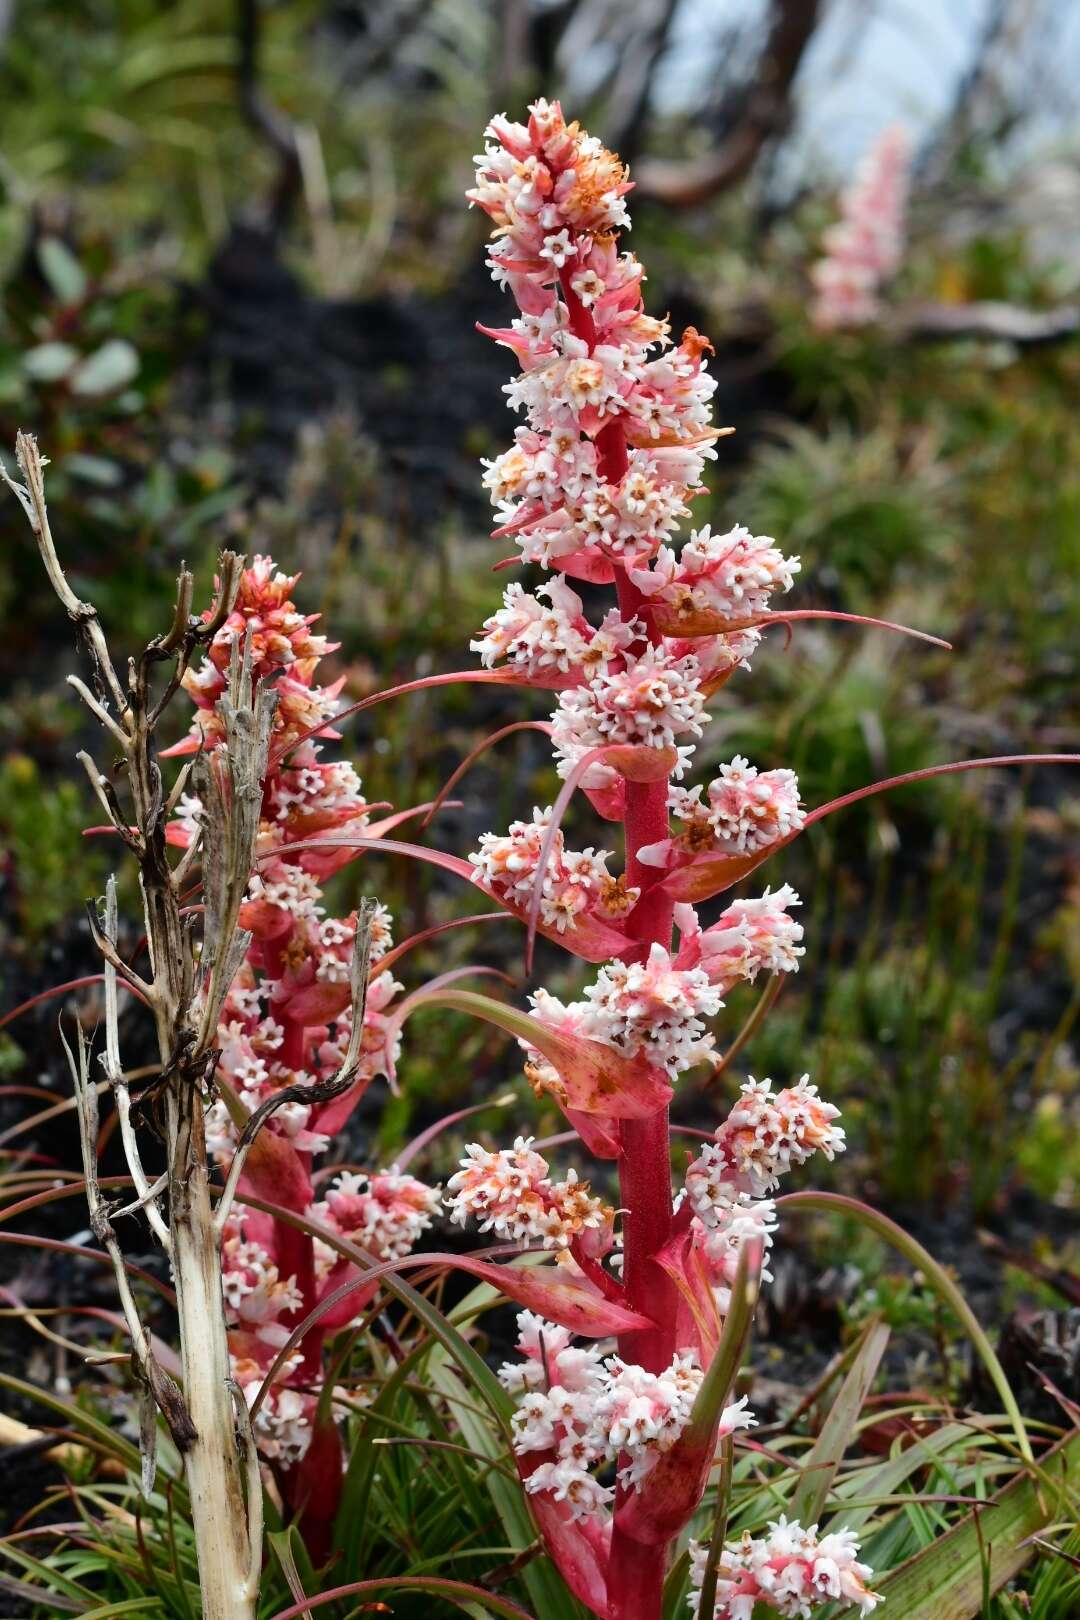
(789, 1569)
(863, 250)
(611, 452)
(287, 1026)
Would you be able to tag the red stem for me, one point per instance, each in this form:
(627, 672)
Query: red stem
(636, 1570)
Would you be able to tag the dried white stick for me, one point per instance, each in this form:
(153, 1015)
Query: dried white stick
(184, 1000)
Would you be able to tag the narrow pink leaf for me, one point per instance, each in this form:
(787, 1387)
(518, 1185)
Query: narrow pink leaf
(670, 622)
(708, 874)
(594, 1079)
(376, 829)
(937, 770)
(580, 1557)
(475, 753)
(426, 1137)
(489, 677)
(582, 1310)
(394, 956)
(62, 990)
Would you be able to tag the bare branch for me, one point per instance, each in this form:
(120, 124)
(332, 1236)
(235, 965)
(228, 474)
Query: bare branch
(114, 1073)
(101, 712)
(164, 1390)
(113, 958)
(179, 786)
(766, 112)
(31, 498)
(201, 1418)
(152, 1192)
(231, 566)
(105, 794)
(991, 321)
(174, 636)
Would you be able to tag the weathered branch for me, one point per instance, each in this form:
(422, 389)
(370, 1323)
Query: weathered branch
(686, 183)
(991, 321)
(114, 1073)
(202, 1418)
(31, 497)
(164, 1390)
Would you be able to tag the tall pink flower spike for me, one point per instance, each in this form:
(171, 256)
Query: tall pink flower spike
(864, 248)
(614, 1446)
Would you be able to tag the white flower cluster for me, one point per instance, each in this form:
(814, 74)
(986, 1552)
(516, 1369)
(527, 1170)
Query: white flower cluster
(762, 1138)
(752, 935)
(647, 703)
(511, 1193)
(655, 1010)
(561, 378)
(732, 575)
(305, 788)
(386, 1213)
(729, 1220)
(590, 1411)
(649, 1009)
(283, 1424)
(790, 1569)
(290, 889)
(539, 638)
(252, 1286)
(744, 809)
(575, 881)
(536, 179)
(718, 656)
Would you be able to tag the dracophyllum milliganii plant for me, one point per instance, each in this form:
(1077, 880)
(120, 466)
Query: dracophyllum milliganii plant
(615, 1449)
(272, 1019)
(299, 1042)
(285, 1015)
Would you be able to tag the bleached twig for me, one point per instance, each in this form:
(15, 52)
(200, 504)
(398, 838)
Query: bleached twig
(184, 993)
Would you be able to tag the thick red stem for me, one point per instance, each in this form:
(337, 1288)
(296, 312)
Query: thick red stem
(636, 1570)
(645, 1164)
(635, 1588)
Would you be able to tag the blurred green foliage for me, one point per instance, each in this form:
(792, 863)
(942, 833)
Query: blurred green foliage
(47, 865)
